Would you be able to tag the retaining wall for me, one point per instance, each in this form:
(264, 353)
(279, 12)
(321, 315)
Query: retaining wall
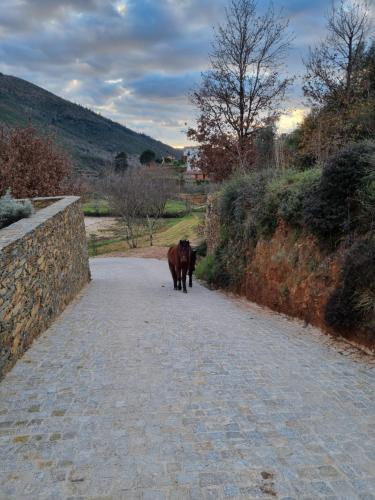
(43, 265)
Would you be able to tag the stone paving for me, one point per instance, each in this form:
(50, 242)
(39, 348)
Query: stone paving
(140, 392)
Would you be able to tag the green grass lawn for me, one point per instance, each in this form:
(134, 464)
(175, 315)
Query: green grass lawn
(175, 208)
(96, 208)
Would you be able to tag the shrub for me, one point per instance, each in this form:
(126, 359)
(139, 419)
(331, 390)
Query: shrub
(31, 166)
(205, 269)
(201, 249)
(285, 197)
(353, 302)
(304, 161)
(241, 204)
(366, 202)
(332, 210)
(12, 210)
(147, 157)
(300, 184)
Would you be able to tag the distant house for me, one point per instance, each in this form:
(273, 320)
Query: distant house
(190, 156)
(168, 159)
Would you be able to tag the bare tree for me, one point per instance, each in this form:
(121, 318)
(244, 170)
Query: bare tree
(158, 188)
(334, 67)
(125, 195)
(138, 196)
(243, 89)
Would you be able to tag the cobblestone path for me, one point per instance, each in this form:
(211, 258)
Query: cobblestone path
(140, 392)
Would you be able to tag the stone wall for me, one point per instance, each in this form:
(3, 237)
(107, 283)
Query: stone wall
(43, 265)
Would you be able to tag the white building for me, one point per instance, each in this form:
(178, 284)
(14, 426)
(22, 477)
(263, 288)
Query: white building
(190, 155)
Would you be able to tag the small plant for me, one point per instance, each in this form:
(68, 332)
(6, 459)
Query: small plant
(284, 291)
(12, 210)
(93, 244)
(365, 303)
(214, 269)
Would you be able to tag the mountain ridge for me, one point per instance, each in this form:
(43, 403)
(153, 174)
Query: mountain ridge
(91, 140)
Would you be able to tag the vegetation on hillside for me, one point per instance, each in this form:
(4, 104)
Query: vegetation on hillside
(340, 85)
(238, 112)
(335, 203)
(317, 182)
(90, 139)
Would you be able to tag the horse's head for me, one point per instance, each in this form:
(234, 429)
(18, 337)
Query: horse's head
(184, 250)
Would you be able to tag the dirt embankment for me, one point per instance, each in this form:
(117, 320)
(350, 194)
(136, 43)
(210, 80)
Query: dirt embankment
(291, 274)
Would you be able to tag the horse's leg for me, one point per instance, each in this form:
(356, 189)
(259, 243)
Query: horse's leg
(174, 276)
(184, 272)
(190, 278)
(179, 277)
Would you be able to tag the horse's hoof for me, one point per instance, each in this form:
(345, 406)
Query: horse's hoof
(185, 291)
(190, 286)
(175, 288)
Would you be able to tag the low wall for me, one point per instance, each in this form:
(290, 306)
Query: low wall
(43, 265)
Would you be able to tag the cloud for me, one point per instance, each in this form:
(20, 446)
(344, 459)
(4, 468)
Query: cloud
(72, 86)
(155, 86)
(133, 60)
(291, 119)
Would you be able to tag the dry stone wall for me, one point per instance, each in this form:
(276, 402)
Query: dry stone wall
(43, 265)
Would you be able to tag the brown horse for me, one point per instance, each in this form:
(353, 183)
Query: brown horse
(179, 258)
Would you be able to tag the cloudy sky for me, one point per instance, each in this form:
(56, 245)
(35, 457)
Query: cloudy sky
(134, 61)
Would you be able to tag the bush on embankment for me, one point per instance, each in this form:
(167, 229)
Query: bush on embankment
(315, 221)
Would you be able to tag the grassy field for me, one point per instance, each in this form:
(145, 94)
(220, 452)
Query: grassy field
(169, 233)
(96, 208)
(176, 208)
(185, 228)
(100, 208)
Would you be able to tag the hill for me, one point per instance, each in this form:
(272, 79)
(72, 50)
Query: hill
(89, 138)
